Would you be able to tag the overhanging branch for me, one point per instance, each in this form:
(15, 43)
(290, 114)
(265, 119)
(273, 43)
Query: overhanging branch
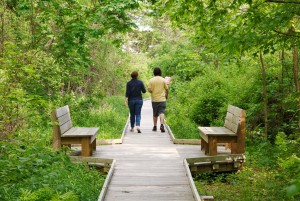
(287, 34)
(282, 1)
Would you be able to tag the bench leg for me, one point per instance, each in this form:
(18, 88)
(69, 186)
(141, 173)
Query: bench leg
(212, 146)
(94, 145)
(204, 146)
(86, 147)
(233, 148)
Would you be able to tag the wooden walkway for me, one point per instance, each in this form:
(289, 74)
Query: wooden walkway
(148, 165)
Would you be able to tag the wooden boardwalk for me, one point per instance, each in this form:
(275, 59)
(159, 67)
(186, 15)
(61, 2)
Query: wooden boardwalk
(148, 165)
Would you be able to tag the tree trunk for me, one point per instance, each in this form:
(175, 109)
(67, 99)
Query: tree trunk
(32, 24)
(296, 74)
(264, 80)
(281, 90)
(2, 14)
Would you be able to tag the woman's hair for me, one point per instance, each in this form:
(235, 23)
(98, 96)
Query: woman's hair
(134, 74)
(157, 71)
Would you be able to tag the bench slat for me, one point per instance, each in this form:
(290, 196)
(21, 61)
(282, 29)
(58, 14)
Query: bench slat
(216, 131)
(63, 119)
(236, 120)
(238, 112)
(65, 127)
(231, 109)
(228, 124)
(229, 116)
(234, 128)
(62, 111)
(80, 132)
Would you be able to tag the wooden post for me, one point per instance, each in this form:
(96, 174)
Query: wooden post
(212, 145)
(203, 144)
(234, 148)
(241, 134)
(56, 132)
(94, 144)
(86, 147)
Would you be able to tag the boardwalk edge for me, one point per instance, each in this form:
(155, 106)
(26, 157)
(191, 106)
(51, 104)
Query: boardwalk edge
(191, 181)
(114, 141)
(182, 141)
(107, 181)
(192, 184)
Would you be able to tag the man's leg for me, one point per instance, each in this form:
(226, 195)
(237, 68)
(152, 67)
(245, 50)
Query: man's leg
(162, 128)
(161, 110)
(162, 118)
(155, 121)
(155, 116)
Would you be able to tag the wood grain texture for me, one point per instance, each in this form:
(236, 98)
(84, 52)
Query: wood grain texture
(65, 134)
(233, 133)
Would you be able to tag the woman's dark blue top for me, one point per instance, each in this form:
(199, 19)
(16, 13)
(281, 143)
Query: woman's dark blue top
(134, 89)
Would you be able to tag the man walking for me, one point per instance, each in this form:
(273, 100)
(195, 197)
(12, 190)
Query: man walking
(159, 94)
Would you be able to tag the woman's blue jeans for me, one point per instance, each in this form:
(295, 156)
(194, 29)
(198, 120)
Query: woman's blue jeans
(135, 107)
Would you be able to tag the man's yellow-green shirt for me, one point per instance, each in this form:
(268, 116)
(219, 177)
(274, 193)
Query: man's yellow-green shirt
(158, 87)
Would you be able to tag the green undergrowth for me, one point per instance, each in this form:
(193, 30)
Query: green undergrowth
(182, 128)
(271, 172)
(32, 172)
(109, 114)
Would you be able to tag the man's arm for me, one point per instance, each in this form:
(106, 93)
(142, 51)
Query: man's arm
(167, 93)
(149, 88)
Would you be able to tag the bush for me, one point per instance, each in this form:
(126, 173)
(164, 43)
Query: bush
(270, 172)
(36, 173)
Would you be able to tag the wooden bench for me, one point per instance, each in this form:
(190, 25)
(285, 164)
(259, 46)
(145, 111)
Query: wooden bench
(233, 132)
(65, 134)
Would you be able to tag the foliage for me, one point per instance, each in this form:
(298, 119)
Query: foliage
(229, 32)
(36, 173)
(54, 53)
(52, 50)
(266, 176)
(109, 114)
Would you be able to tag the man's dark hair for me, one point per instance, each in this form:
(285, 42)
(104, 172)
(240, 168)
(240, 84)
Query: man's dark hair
(157, 71)
(134, 74)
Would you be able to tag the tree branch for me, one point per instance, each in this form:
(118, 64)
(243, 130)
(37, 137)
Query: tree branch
(286, 34)
(282, 1)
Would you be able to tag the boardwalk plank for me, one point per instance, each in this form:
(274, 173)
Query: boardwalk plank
(148, 165)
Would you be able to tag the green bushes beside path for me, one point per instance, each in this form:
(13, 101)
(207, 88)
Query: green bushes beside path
(270, 173)
(31, 171)
(35, 173)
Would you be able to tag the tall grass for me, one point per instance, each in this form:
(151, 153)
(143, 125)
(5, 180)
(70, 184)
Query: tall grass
(109, 114)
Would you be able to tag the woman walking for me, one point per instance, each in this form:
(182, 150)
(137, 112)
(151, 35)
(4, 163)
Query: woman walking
(134, 100)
